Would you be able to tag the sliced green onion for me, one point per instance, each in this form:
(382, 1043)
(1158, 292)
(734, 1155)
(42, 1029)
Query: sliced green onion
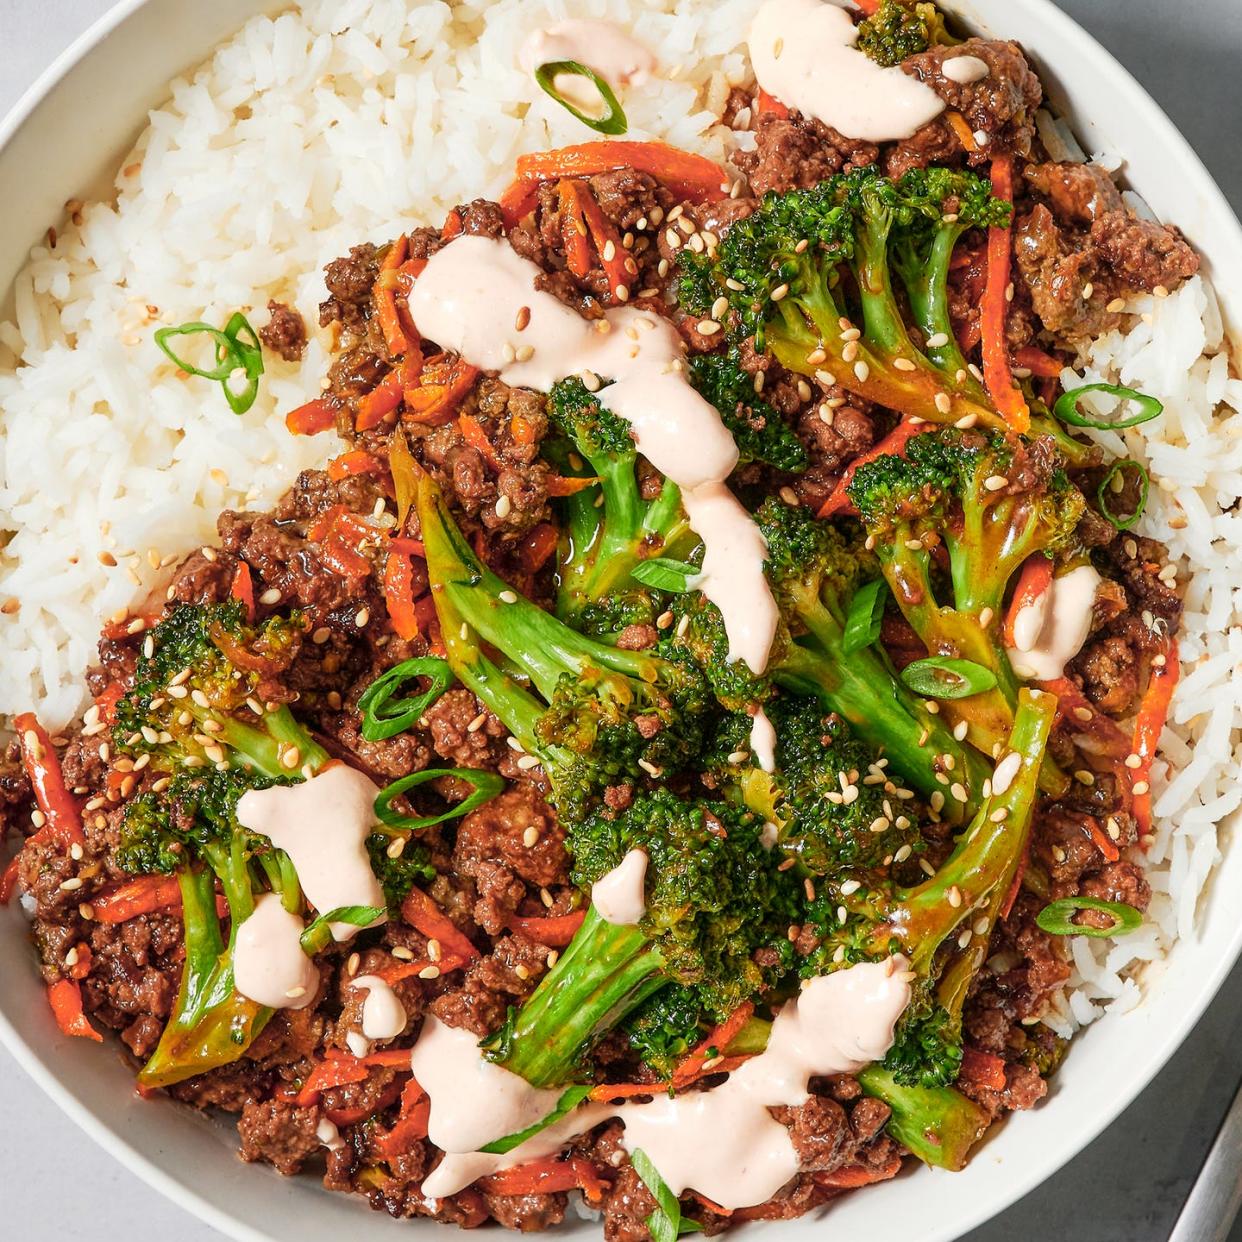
(318, 934)
(1104, 490)
(943, 678)
(866, 612)
(570, 1099)
(1066, 408)
(665, 574)
(385, 717)
(665, 1223)
(1057, 919)
(612, 123)
(237, 349)
(486, 786)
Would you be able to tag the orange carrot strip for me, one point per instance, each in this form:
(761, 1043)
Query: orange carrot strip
(546, 1177)
(474, 435)
(519, 200)
(538, 546)
(1039, 363)
(689, 176)
(984, 1068)
(65, 997)
(60, 808)
(385, 298)
(242, 589)
(422, 913)
(453, 225)
(399, 595)
(961, 127)
(618, 263)
(356, 461)
(443, 383)
(1033, 581)
(376, 405)
(411, 1126)
(1149, 725)
(313, 417)
(568, 485)
(336, 1071)
(625, 1090)
(145, 895)
(1101, 839)
(852, 1176)
(996, 371)
(573, 228)
(712, 1048)
(555, 932)
(892, 445)
(769, 105)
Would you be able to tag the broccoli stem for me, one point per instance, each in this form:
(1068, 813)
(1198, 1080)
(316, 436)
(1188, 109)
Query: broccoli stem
(606, 972)
(939, 1125)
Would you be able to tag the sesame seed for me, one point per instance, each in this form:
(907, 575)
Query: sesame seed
(816, 356)
(290, 757)
(904, 364)
(708, 327)
(362, 617)
(526, 762)
(943, 402)
(850, 352)
(966, 422)
(995, 482)
(396, 847)
(508, 597)
(429, 972)
(434, 949)
(804, 390)
(862, 371)
(964, 939)
(779, 292)
(852, 335)
(209, 554)
(928, 869)
(622, 293)
(958, 790)
(270, 596)
(650, 768)
(808, 887)
(789, 496)
(1141, 787)
(530, 837)
(521, 971)
(1087, 290)
(1161, 291)
(960, 730)
(71, 885)
(880, 824)
(1116, 306)
(720, 307)
(1112, 828)
(955, 896)
(937, 341)
(1083, 777)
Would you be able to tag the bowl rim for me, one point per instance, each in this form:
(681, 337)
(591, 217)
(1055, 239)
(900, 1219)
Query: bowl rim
(1161, 1050)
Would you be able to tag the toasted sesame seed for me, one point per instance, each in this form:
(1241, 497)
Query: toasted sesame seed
(958, 790)
(521, 971)
(1083, 777)
(720, 307)
(938, 340)
(954, 896)
(270, 596)
(396, 847)
(966, 422)
(650, 768)
(429, 972)
(71, 885)
(904, 364)
(779, 292)
(789, 496)
(209, 554)
(530, 837)
(1161, 291)
(526, 762)
(1141, 787)
(964, 939)
(708, 327)
(1116, 306)
(1112, 828)
(995, 482)
(362, 617)
(508, 597)
(621, 293)
(862, 371)
(943, 402)
(1087, 290)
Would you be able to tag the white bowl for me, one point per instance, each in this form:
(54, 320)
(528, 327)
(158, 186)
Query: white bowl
(84, 112)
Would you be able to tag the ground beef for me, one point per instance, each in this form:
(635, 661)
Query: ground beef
(350, 281)
(793, 152)
(819, 1131)
(285, 332)
(1077, 193)
(519, 829)
(278, 1134)
(527, 1213)
(1143, 254)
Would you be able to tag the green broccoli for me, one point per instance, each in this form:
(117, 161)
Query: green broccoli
(899, 29)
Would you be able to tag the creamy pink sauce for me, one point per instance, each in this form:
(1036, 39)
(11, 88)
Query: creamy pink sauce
(722, 1143)
(619, 897)
(1050, 631)
(611, 51)
(804, 54)
(323, 825)
(468, 298)
(270, 966)
(965, 69)
(763, 741)
(383, 1014)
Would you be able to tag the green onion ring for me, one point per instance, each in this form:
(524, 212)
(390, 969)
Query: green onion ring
(571, 1097)
(866, 613)
(382, 715)
(942, 678)
(318, 935)
(614, 123)
(227, 358)
(1057, 918)
(237, 349)
(665, 574)
(1066, 408)
(486, 786)
(1102, 493)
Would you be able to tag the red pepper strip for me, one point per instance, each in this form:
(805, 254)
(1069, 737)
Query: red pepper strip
(1034, 580)
(313, 417)
(546, 1177)
(1039, 363)
(573, 228)
(870, 7)
(983, 1068)
(555, 932)
(384, 295)
(59, 807)
(362, 1112)
(1148, 726)
(538, 546)
(145, 895)
(356, 461)
(243, 589)
(568, 485)
(769, 105)
(323, 525)
(336, 1071)
(442, 385)
(893, 445)
(399, 595)
(107, 701)
(853, 1176)
(410, 1126)
(689, 176)
(996, 372)
(376, 405)
(65, 997)
(618, 263)
(474, 435)
(8, 880)
(408, 547)
(694, 1065)
(422, 913)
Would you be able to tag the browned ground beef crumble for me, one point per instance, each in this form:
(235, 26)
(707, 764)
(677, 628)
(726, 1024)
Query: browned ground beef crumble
(1072, 231)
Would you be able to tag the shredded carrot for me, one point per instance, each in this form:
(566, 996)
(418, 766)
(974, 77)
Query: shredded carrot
(568, 485)
(60, 808)
(538, 546)
(446, 964)
(1149, 725)
(870, 7)
(313, 417)
(518, 201)
(385, 297)
(1045, 366)
(65, 997)
(689, 176)
(242, 589)
(342, 560)
(82, 965)
(422, 913)
(336, 1071)
(892, 445)
(961, 127)
(625, 1090)
(555, 932)
(712, 1049)
(769, 105)
(474, 435)
(997, 375)
(356, 461)
(984, 1068)
(710, 1204)
(1033, 581)
(1101, 839)
(618, 263)
(381, 401)
(364, 1112)
(1078, 713)
(9, 879)
(411, 1125)
(442, 384)
(145, 895)
(399, 595)
(573, 228)
(107, 701)
(852, 1176)
(546, 1177)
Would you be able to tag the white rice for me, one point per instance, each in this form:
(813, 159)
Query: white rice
(348, 121)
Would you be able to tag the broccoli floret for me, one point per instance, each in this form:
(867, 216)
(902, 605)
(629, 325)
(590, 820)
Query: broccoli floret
(591, 713)
(814, 573)
(785, 269)
(610, 529)
(759, 432)
(715, 896)
(927, 1051)
(397, 875)
(991, 501)
(899, 29)
(662, 1030)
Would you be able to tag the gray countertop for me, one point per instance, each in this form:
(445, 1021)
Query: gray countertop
(1130, 1183)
